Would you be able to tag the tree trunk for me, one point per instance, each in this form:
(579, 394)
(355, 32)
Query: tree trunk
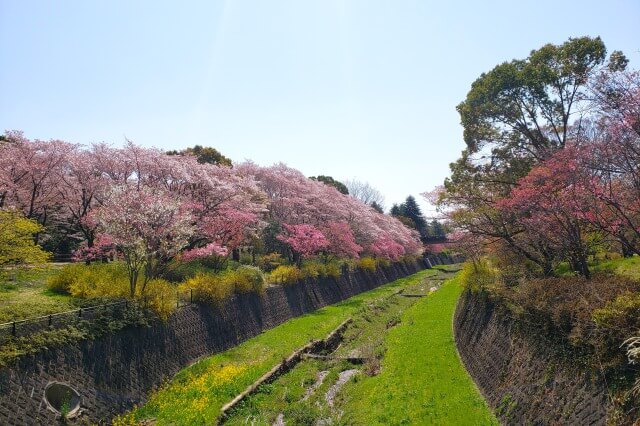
(627, 251)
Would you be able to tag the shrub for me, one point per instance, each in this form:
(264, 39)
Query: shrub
(62, 281)
(589, 316)
(286, 275)
(383, 261)
(160, 297)
(246, 258)
(615, 322)
(245, 279)
(477, 276)
(209, 288)
(312, 269)
(178, 271)
(367, 264)
(270, 261)
(409, 259)
(216, 263)
(108, 280)
(333, 269)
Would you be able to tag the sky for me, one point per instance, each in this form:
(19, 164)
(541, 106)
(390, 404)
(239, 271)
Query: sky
(361, 90)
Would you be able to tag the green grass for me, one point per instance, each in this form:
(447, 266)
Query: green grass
(363, 338)
(197, 393)
(422, 379)
(629, 266)
(24, 294)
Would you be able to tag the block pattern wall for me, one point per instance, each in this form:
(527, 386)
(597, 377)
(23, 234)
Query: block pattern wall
(518, 374)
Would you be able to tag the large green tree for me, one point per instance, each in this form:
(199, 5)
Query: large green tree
(204, 154)
(328, 180)
(524, 107)
(514, 116)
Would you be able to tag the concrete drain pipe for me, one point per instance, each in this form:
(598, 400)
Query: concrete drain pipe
(62, 399)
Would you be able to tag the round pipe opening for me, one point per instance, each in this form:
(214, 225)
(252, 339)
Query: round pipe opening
(62, 399)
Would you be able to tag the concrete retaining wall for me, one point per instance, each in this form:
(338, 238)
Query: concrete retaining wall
(519, 376)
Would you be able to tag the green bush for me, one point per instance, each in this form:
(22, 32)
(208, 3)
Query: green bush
(245, 279)
(160, 296)
(216, 288)
(313, 269)
(583, 318)
(367, 264)
(246, 258)
(270, 261)
(623, 313)
(285, 275)
(61, 282)
(616, 321)
(316, 268)
(209, 288)
(98, 280)
(102, 280)
(215, 263)
(333, 269)
(409, 259)
(178, 271)
(383, 262)
(478, 276)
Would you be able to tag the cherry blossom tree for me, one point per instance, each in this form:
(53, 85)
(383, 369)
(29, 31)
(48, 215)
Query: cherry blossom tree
(342, 243)
(611, 158)
(551, 203)
(211, 249)
(304, 240)
(147, 227)
(74, 191)
(295, 199)
(32, 173)
(386, 247)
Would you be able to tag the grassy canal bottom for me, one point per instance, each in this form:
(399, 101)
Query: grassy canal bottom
(397, 364)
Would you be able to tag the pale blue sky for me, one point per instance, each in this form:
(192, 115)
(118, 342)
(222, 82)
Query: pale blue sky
(353, 89)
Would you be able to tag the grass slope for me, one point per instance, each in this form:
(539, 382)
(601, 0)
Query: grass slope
(197, 393)
(24, 294)
(422, 379)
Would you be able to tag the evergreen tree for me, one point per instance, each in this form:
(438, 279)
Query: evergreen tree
(437, 230)
(396, 210)
(411, 210)
(328, 180)
(377, 207)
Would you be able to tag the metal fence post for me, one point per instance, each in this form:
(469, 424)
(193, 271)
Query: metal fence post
(50, 320)
(191, 296)
(80, 313)
(13, 329)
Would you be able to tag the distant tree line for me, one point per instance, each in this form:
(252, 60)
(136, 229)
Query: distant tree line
(410, 214)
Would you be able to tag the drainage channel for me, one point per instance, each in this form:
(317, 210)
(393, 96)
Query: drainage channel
(312, 390)
(329, 344)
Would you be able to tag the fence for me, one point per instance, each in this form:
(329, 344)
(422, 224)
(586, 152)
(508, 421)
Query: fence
(25, 327)
(59, 320)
